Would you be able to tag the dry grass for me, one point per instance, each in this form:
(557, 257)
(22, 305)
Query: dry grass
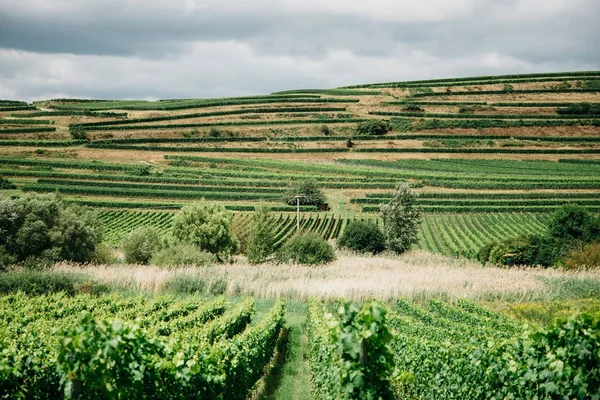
(417, 275)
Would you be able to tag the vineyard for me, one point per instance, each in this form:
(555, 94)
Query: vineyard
(189, 349)
(489, 156)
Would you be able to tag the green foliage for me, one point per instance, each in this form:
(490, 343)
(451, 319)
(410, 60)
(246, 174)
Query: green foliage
(373, 127)
(42, 229)
(99, 359)
(306, 248)
(350, 353)
(208, 226)
(77, 133)
(308, 192)
(583, 257)
(262, 237)
(141, 244)
(580, 109)
(573, 222)
(6, 184)
(38, 282)
(363, 236)
(325, 130)
(182, 254)
(401, 219)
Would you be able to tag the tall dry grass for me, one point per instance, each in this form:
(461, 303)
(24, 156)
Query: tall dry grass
(416, 275)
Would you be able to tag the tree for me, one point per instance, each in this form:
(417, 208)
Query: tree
(401, 219)
(363, 236)
(310, 194)
(208, 226)
(42, 229)
(572, 222)
(141, 244)
(262, 237)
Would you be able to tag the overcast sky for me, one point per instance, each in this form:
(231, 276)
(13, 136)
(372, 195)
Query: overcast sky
(214, 48)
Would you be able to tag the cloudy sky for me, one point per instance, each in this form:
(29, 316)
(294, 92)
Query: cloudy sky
(213, 48)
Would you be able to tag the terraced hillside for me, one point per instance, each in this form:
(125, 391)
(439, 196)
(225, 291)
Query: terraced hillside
(490, 156)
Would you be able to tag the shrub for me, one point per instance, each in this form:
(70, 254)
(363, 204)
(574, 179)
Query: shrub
(77, 132)
(483, 255)
(262, 237)
(104, 254)
(306, 248)
(373, 127)
(140, 245)
(208, 226)
(413, 108)
(214, 132)
(310, 194)
(183, 254)
(401, 219)
(363, 236)
(584, 257)
(185, 284)
(6, 184)
(36, 283)
(349, 143)
(325, 130)
(42, 229)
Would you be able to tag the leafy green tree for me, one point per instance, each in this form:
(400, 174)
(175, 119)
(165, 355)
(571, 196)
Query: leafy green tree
(42, 229)
(262, 237)
(573, 222)
(363, 236)
(208, 226)
(310, 194)
(401, 218)
(141, 244)
(306, 248)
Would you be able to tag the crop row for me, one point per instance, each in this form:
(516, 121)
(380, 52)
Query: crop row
(16, 121)
(42, 143)
(562, 75)
(16, 108)
(29, 130)
(511, 196)
(483, 116)
(213, 114)
(481, 103)
(416, 136)
(91, 165)
(223, 123)
(198, 149)
(141, 191)
(181, 105)
(67, 113)
(494, 92)
(406, 124)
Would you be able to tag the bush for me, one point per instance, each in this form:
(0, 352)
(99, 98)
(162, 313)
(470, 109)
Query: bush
(373, 127)
(214, 132)
(208, 226)
(183, 254)
(363, 237)
(104, 254)
(36, 283)
(401, 219)
(310, 194)
(483, 255)
(185, 284)
(262, 237)
(140, 245)
(413, 108)
(325, 130)
(306, 248)
(6, 184)
(42, 229)
(585, 257)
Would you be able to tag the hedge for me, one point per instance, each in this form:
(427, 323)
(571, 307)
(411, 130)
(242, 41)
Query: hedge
(481, 116)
